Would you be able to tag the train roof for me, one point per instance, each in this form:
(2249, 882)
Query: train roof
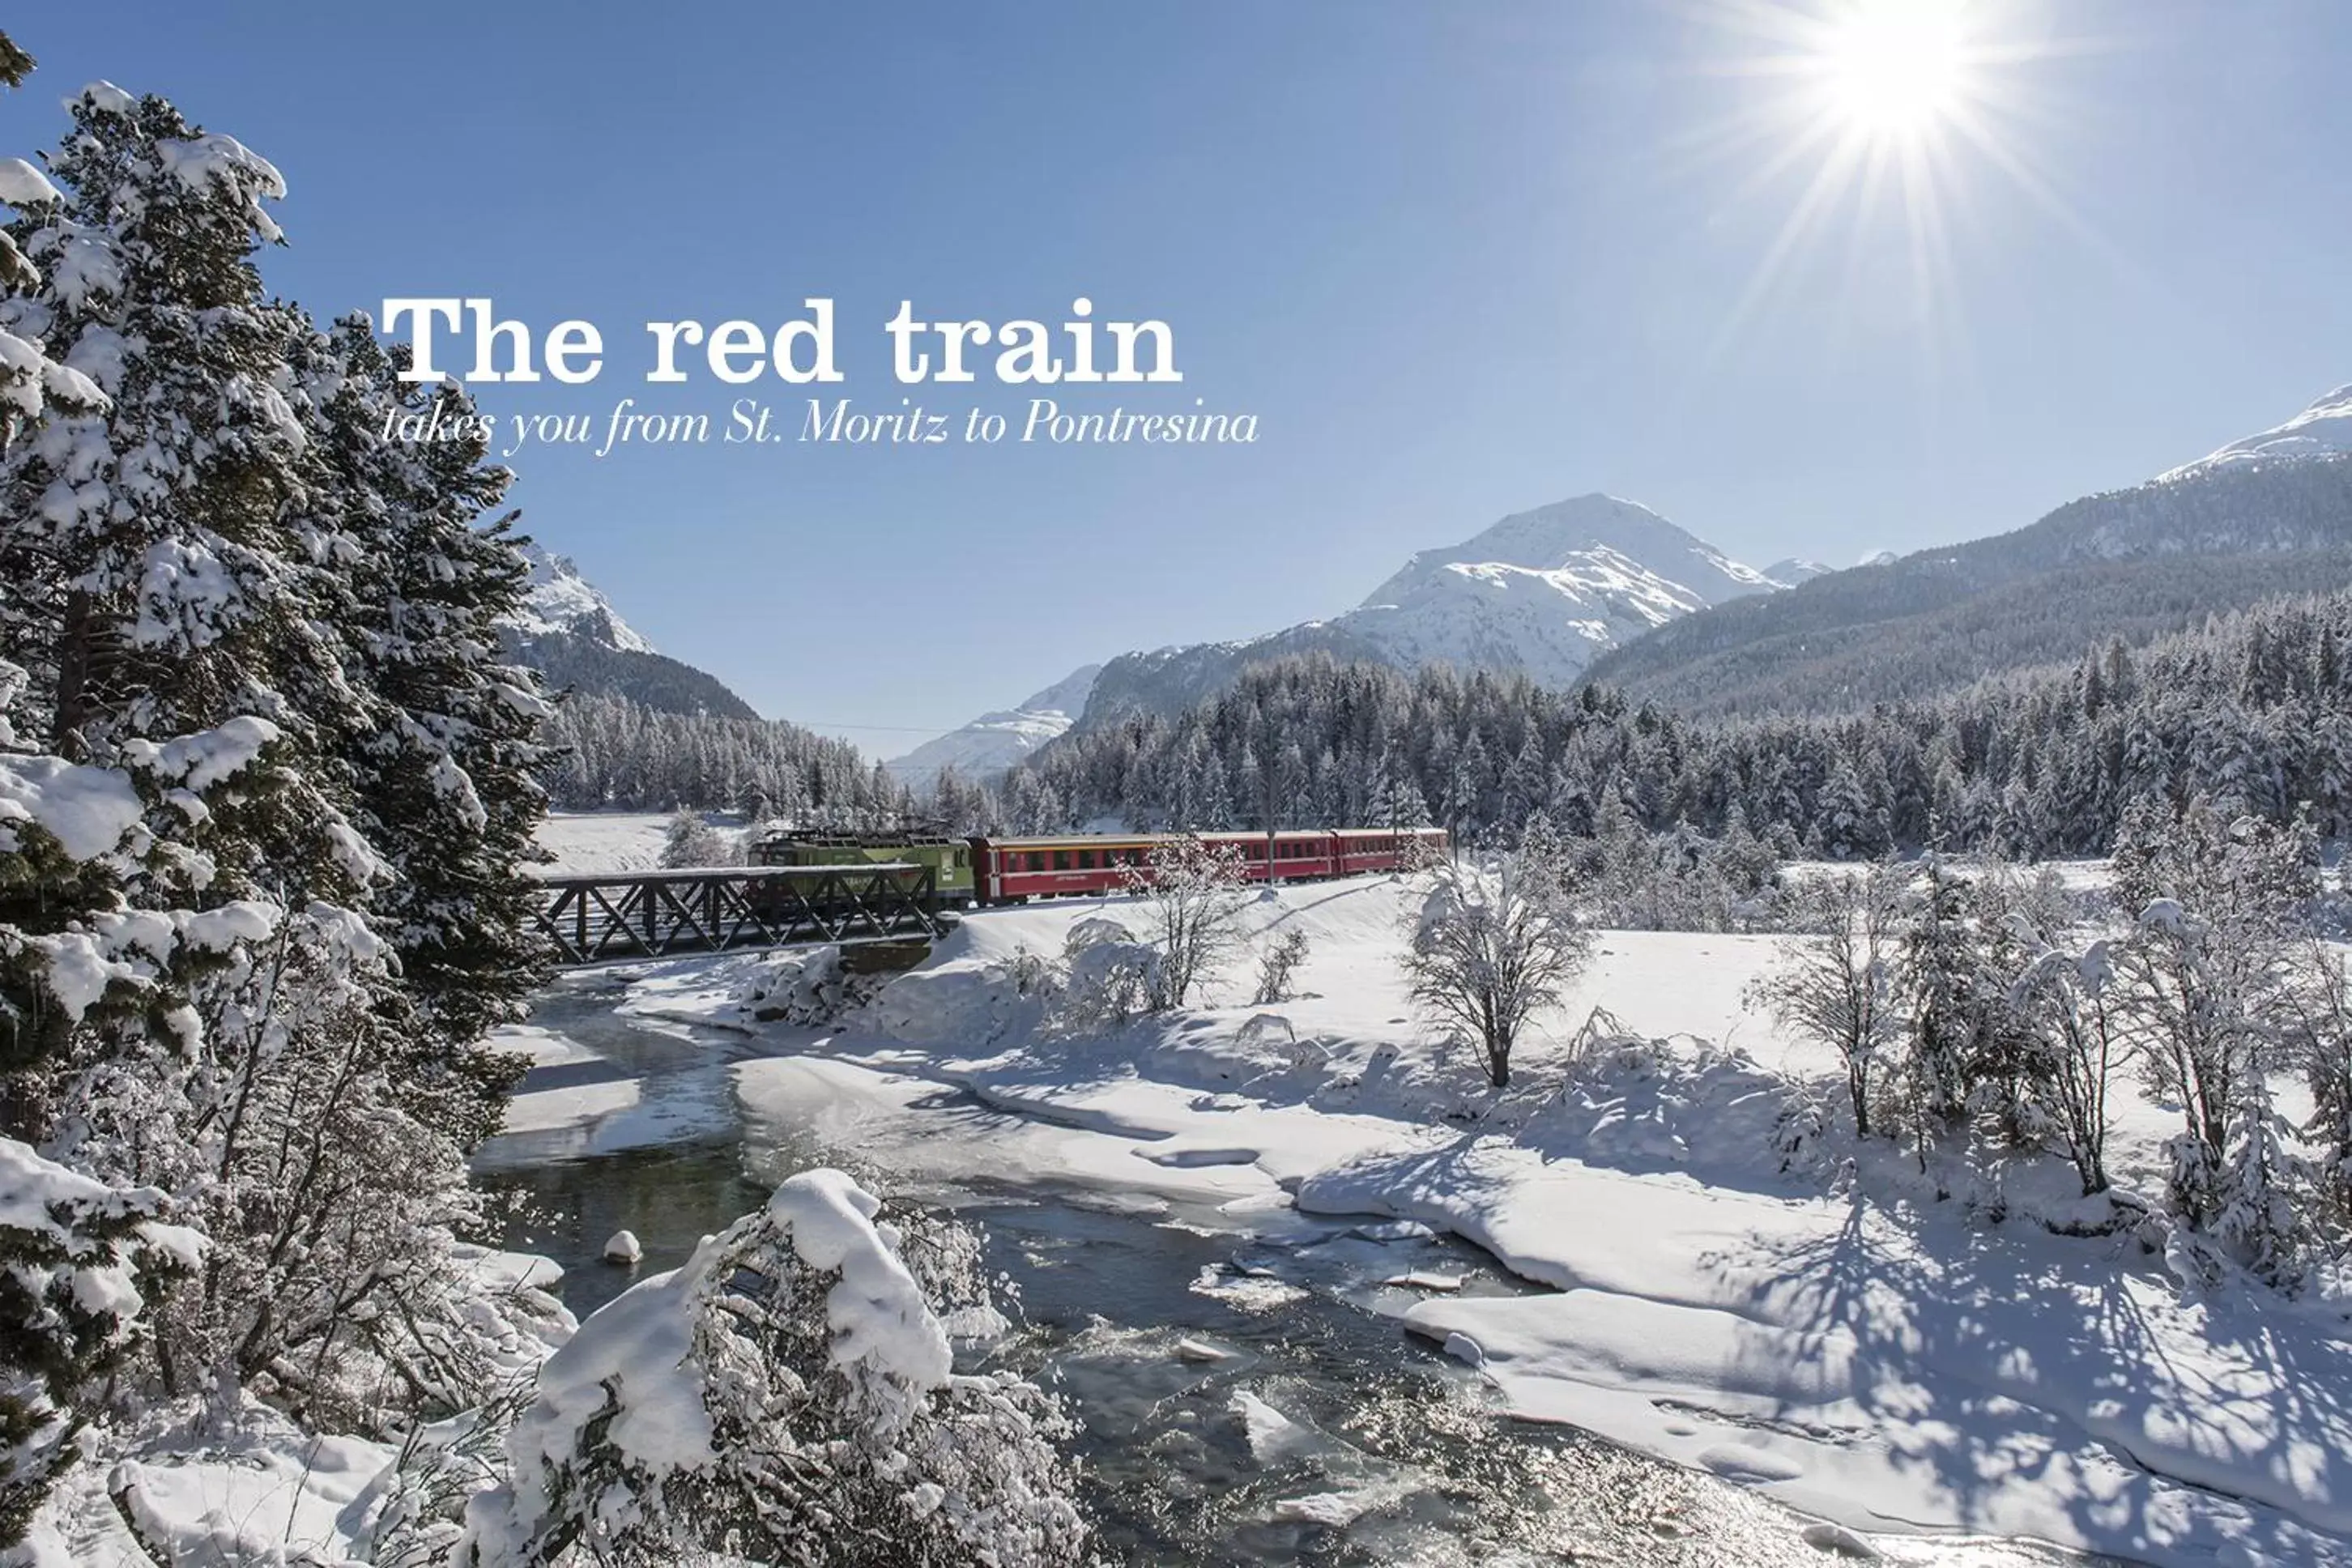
(1086, 840)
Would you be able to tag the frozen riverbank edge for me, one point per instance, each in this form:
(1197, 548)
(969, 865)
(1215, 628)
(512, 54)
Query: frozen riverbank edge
(1898, 1351)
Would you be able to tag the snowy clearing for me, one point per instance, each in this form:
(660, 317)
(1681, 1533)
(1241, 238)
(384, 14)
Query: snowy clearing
(584, 843)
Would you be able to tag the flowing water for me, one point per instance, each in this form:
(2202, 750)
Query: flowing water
(1323, 1433)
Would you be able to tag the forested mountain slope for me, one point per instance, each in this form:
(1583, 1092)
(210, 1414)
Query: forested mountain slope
(2254, 710)
(2217, 536)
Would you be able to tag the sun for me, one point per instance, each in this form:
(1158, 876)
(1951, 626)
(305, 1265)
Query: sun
(1895, 67)
(1893, 134)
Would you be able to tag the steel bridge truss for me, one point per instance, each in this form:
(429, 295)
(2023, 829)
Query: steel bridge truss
(599, 919)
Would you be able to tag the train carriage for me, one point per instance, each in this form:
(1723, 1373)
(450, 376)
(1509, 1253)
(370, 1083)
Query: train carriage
(1006, 870)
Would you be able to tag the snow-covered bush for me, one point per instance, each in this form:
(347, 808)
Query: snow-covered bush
(414, 1516)
(1191, 899)
(1106, 978)
(2221, 996)
(789, 1396)
(1276, 966)
(1837, 985)
(79, 1264)
(1490, 948)
(334, 1287)
(2076, 1045)
(692, 842)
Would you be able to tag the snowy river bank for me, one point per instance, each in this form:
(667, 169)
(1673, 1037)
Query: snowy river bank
(1249, 1388)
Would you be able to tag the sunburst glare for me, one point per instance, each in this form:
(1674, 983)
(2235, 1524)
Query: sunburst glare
(1885, 112)
(1897, 67)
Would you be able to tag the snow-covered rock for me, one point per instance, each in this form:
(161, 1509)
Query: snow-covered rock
(1424, 1279)
(561, 601)
(623, 1247)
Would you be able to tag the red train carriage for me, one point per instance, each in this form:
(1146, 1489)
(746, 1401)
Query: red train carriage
(1015, 870)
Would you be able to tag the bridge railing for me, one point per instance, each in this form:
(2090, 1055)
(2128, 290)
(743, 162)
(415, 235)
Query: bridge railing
(598, 918)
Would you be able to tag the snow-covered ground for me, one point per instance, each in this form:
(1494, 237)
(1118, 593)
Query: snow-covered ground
(1895, 1351)
(246, 1486)
(593, 841)
(1898, 1351)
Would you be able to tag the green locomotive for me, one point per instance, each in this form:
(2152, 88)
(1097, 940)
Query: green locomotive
(949, 859)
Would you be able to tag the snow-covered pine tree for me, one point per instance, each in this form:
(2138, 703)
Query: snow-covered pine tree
(445, 761)
(1943, 987)
(2262, 1210)
(1396, 800)
(80, 1260)
(173, 558)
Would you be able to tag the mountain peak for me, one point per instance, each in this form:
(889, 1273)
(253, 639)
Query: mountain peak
(562, 600)
(1587, 548)
(2324, 429)
(994, 742)
(1548, 537)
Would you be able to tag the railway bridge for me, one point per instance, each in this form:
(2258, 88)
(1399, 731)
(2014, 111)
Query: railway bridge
(603, 916)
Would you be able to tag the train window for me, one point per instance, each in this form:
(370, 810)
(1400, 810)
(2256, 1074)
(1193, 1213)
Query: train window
(1037, 859)
(1086, 860)
(1061, 859)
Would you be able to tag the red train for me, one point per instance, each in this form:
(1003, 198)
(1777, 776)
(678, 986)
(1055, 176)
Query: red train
(1015, 870)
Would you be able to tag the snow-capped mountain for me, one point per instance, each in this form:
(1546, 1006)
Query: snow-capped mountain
(2321, 430)
(569, 631)
(1542, 593)
(994, 742)
(561, 600)
(2265, 515)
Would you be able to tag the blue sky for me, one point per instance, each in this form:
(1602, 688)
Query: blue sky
(1459, 260)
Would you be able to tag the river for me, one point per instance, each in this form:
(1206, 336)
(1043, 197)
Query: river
(1325, 1433)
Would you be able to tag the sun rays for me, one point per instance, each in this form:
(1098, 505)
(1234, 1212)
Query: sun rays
(1879, 127)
